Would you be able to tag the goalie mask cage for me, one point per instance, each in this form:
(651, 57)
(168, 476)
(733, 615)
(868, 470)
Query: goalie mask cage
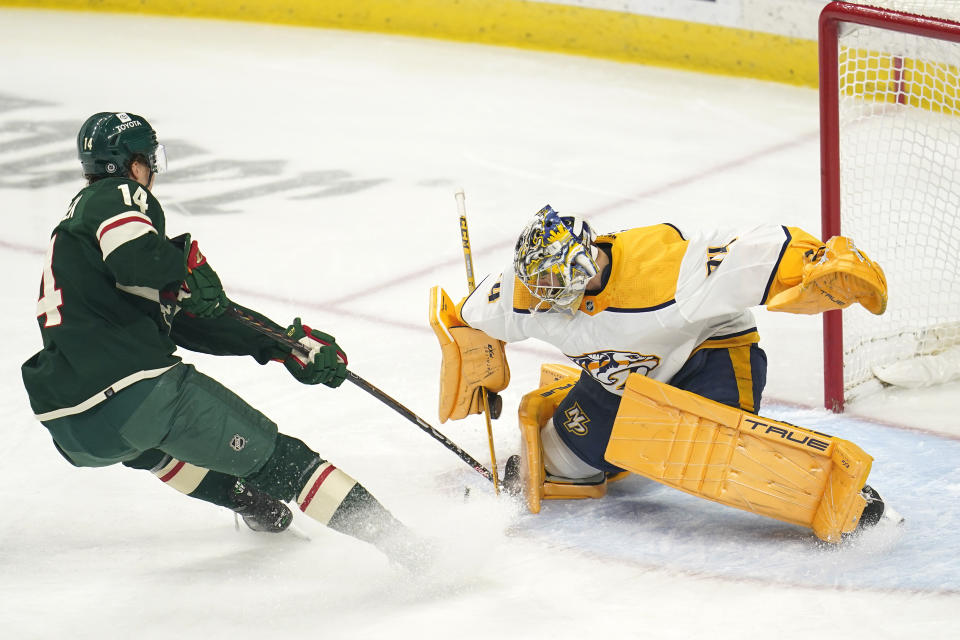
(890, 154)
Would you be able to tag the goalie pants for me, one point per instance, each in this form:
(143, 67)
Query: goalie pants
(191, 417)
(734, 376)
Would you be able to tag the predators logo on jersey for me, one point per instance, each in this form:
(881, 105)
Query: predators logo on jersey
(576, 420)
(611, 368)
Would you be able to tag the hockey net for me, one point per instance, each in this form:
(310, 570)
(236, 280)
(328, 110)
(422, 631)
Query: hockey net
(890, 140)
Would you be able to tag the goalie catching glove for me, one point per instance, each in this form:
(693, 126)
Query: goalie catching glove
(326, 363)
(471, 360)
(815, 277)
(201, 293)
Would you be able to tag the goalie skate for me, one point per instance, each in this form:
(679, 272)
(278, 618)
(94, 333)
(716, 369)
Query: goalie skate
(877, 512)
(512, 481)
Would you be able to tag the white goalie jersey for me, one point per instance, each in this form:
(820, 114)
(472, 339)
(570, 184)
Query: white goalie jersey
(666, 295)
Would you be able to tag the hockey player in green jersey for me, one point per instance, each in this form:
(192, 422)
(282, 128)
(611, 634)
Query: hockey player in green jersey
(117, 298)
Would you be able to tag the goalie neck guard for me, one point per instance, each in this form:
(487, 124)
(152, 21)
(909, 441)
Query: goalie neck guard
(554, 259)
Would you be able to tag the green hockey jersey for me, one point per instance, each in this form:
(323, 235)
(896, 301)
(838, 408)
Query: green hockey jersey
(107, 309)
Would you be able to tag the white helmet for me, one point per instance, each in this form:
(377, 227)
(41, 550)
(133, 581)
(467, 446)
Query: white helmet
(554, 259)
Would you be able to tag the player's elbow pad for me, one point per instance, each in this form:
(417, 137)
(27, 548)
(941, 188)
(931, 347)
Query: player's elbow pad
(471, 360)
(813, 277)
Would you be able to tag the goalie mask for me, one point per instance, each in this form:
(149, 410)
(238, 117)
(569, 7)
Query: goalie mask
(108, 143)
(554, 259)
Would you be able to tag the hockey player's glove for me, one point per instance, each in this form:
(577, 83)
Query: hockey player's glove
(326, 362)
(814, 277)
(201, 293)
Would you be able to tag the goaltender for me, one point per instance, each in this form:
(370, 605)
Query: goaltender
(669, 371)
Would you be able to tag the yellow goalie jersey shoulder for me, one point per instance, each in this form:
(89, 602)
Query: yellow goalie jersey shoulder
(646, 268)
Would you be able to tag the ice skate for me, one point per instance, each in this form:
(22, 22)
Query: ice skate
(877, 512)
(259, 511)
(512, 482)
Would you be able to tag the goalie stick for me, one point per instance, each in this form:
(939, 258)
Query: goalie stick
(471, 285)
(287, 341)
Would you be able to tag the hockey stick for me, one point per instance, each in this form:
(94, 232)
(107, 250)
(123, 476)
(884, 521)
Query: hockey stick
(471, 285)
(287, 341)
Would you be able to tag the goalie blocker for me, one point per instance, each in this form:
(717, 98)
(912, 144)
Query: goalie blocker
(472, 362)
(710, 450)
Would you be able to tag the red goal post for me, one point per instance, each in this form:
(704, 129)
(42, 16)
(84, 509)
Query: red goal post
(890, 179)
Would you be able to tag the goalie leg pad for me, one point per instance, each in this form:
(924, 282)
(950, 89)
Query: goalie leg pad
(471, 360)
(550, 373)
(739, 459)
(812, 279)
(536, 409)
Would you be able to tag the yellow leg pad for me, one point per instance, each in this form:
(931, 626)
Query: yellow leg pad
(568, 491)
(550, 373)
(536, 408)
(531, 469)
(842, 504)
(617, 477)
(739, 459)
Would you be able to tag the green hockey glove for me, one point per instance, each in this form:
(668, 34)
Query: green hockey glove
(326, 363)
(201, 293)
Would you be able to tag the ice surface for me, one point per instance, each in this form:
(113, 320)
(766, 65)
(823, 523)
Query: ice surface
(318, 170)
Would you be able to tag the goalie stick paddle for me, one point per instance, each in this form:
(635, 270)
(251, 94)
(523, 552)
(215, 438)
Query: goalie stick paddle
(287, 341)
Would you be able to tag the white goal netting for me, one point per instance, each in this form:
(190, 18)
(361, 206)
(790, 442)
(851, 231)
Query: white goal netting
(899, 139)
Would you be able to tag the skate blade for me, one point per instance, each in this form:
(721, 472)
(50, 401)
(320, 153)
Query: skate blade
(297, 532)
(891, 517)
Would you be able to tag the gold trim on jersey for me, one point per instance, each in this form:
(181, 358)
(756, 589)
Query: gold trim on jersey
(745, 338)
(738, 346)
(743, 372)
